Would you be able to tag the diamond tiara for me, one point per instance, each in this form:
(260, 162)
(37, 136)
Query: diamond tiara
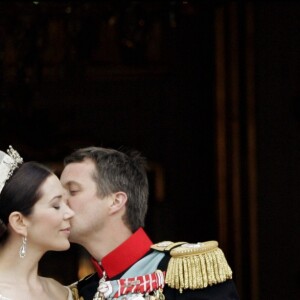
(8, 163)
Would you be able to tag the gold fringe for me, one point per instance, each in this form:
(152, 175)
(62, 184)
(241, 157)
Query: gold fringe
(196, 266)
(74, 290)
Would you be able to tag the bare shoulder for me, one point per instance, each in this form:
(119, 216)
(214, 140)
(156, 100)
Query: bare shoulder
(56, 289)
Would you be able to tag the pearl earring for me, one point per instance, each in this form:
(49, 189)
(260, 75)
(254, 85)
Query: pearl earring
(22, 251)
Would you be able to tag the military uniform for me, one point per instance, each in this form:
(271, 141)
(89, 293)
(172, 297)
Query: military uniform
(139, 269)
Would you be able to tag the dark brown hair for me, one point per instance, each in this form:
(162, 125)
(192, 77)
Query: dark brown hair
(21, 192)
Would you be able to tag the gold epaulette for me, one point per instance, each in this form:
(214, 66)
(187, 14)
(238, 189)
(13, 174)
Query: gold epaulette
(195, 266)
(166, 246)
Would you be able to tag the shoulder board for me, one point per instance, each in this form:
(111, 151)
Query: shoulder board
(166, 246)
(197, 266)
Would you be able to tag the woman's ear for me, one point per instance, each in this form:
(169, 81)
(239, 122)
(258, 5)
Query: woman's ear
(119, 201)
(18, 223)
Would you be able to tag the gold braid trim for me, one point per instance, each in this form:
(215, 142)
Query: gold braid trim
(196, 266)
(74, 290)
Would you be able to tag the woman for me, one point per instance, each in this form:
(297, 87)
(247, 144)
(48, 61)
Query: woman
(34, 218)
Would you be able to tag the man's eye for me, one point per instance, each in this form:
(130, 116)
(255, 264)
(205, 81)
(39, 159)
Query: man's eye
(73, 192)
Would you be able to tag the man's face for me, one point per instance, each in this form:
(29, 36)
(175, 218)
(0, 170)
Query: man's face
(90, 210)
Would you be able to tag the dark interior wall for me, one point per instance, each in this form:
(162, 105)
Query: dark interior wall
(69, 81)
(278, 119)
(62, 90)
(66, 83)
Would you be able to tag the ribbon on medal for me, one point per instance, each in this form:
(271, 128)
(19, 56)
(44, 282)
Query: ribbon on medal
(143, 284)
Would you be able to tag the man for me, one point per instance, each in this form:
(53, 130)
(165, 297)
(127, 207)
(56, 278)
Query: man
(109, 194)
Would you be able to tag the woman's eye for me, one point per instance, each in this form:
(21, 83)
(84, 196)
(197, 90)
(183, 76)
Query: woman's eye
(73, 192)
(56, 206)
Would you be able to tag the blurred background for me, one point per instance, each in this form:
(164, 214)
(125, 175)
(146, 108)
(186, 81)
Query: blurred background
(208, 91)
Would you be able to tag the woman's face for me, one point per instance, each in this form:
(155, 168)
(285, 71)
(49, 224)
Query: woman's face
(49, 223)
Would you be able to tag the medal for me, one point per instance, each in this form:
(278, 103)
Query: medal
(100, 294)
(144, 287)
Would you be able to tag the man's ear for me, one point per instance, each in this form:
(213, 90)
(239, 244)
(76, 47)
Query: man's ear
(18, 223)
(119, 201)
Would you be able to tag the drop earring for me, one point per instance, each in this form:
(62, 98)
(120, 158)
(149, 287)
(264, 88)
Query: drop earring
(22, 251)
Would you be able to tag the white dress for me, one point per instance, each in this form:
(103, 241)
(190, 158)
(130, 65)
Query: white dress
(70, 297)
